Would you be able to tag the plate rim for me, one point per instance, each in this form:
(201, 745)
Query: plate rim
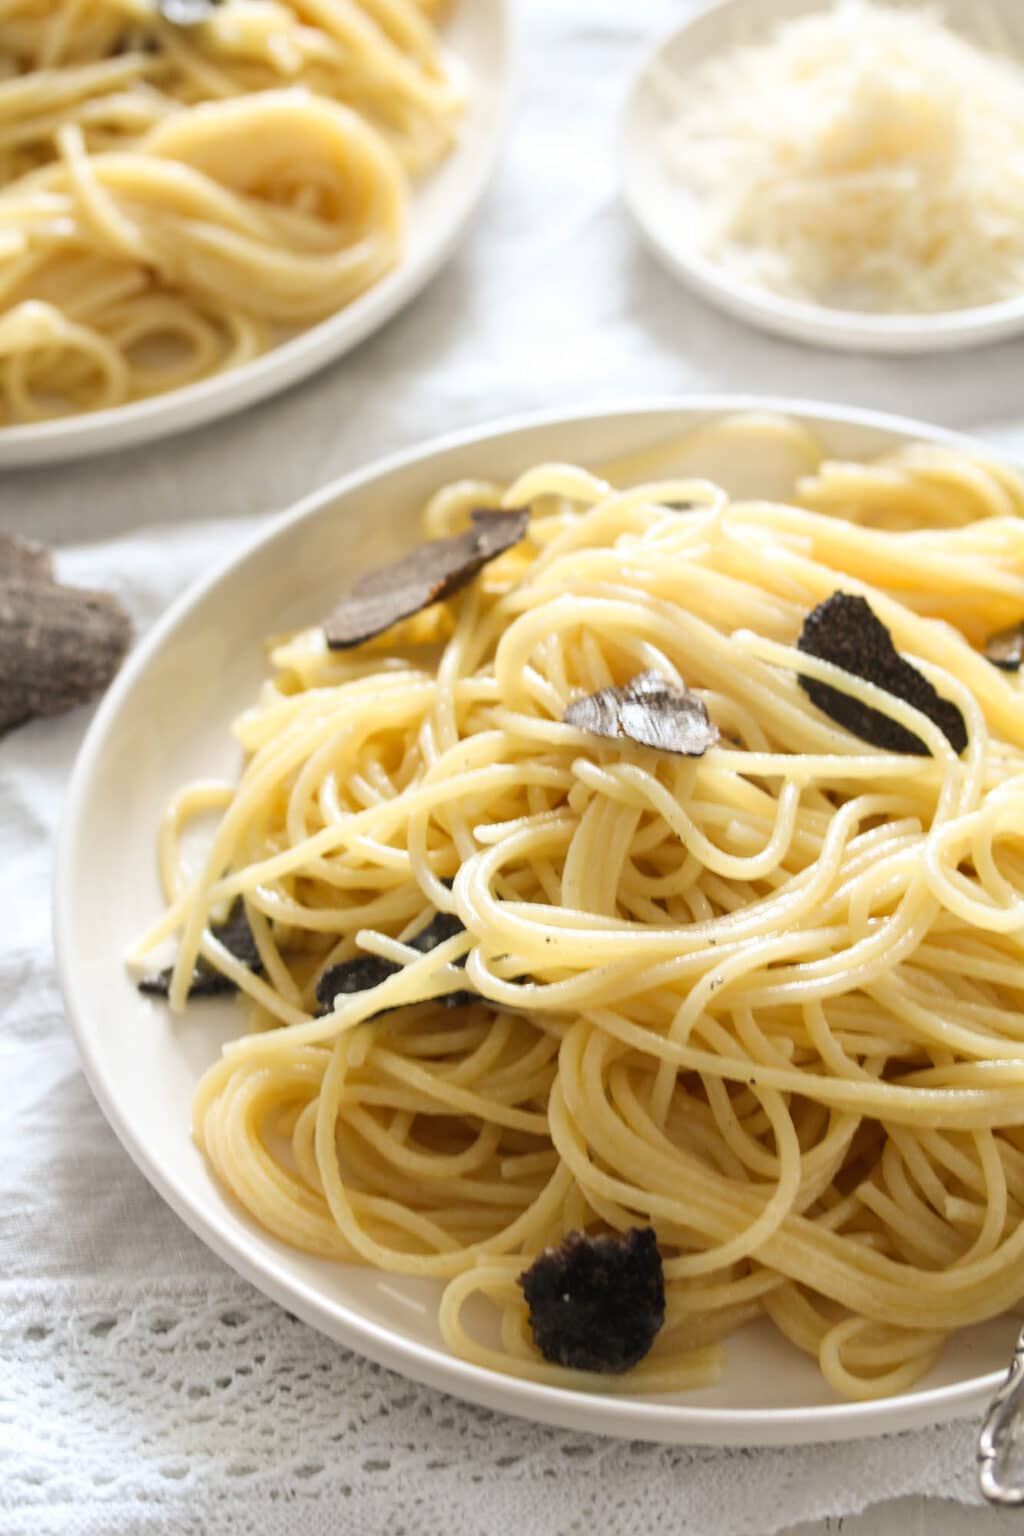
(795, 319)
(86, 434)
(244, 1251)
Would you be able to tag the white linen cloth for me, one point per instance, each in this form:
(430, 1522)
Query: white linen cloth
(145, 1389)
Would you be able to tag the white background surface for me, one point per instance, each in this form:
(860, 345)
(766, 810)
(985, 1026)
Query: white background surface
(142, 1388)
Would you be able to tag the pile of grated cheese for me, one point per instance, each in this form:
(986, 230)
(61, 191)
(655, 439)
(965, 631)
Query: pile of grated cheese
(865, 158)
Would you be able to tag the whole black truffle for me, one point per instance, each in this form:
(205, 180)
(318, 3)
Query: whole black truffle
(59, 646)
(597, 1303)
(847, 632)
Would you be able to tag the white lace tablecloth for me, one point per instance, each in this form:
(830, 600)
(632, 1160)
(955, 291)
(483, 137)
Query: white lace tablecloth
(143, 1388)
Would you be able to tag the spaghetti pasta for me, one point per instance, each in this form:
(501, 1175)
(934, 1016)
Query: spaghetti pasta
(175, 200)
(766, 1000)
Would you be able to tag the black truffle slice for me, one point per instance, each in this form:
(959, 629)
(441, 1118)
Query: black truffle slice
(237, 937)
(847, 632)
(649, 711)
(393, 592)
(1005, 649)
(356, 975)
(597, 1303)
(366, 971)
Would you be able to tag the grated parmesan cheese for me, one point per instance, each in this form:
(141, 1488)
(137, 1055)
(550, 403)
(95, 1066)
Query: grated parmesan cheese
(865, 157)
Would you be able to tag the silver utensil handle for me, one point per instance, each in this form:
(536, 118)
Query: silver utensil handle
(1001, 1427)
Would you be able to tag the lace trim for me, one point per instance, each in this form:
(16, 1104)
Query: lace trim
(205, 1407)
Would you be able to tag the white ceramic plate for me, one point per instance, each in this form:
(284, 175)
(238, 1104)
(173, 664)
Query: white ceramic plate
(477, 37)
(166, 720)
(660, 204)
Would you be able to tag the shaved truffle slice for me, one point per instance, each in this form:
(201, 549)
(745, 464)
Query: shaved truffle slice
(1005, 649)
(845, 631)
(597, 1303)
(59, 646)
(356, 975)
(366, 971)
(237, 937)
(393, 592)
(650, 711)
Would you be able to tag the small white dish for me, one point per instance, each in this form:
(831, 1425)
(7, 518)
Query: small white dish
(658, 201)
(477, 37)
(166, 719)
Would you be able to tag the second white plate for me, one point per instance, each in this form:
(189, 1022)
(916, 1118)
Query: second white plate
(477, 36)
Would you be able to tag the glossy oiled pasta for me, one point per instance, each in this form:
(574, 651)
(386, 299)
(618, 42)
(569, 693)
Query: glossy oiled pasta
(767, 1001)
(174, 200)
